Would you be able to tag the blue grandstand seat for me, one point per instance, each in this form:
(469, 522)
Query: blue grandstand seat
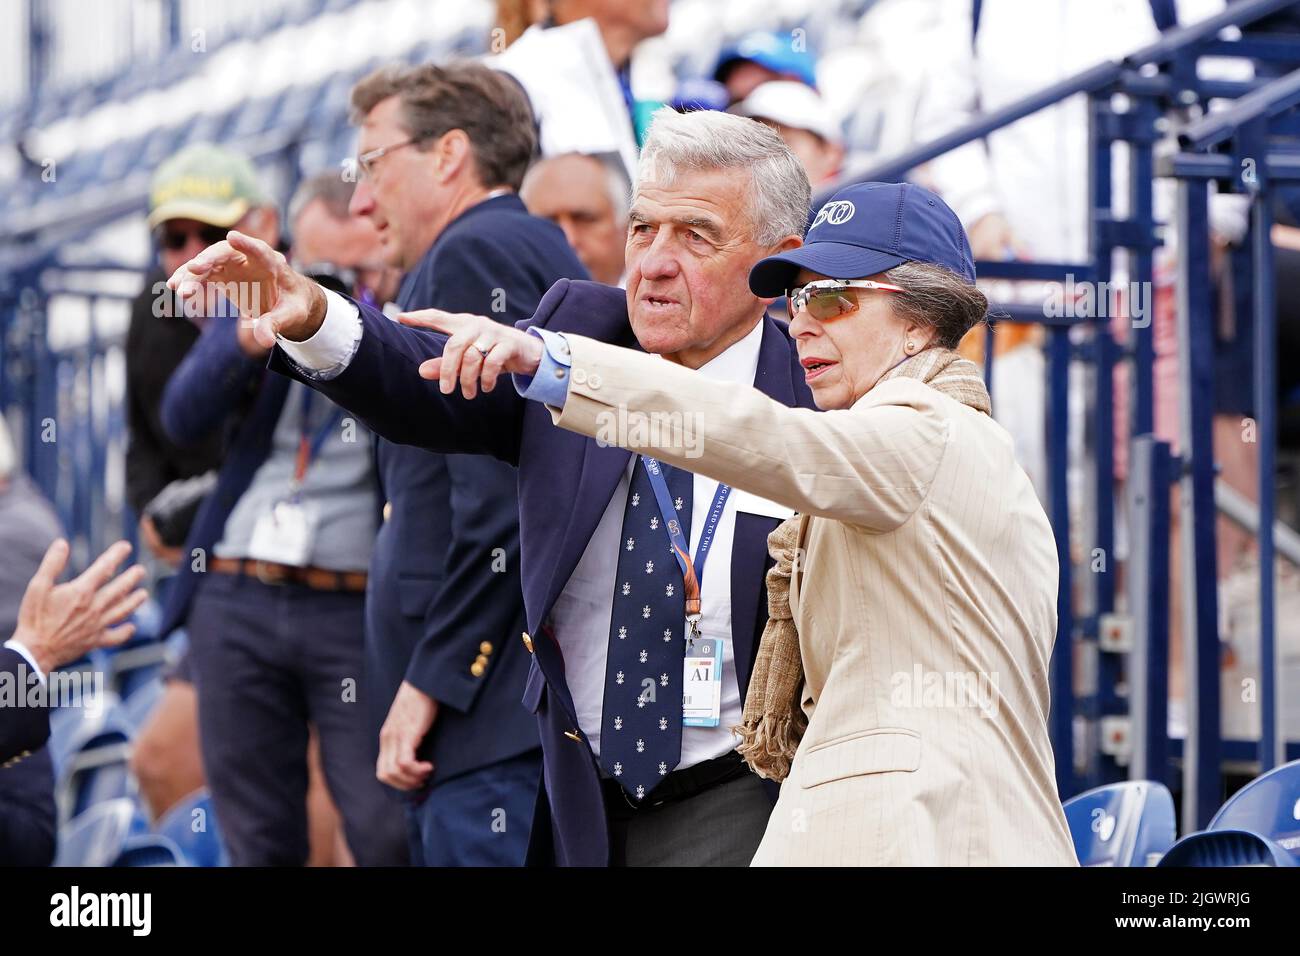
(137, 663)
(1123, 824)
(71, 727)
(119, 158)
(97, 768)
(209, 128)
(1218, 848)
(146, 621)
(1269, 805)
(140, 676)
(256, 116)
(149, 849)
(95, 783)
(96, 837)
(192, 826)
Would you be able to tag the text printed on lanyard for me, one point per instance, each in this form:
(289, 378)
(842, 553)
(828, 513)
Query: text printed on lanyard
(692, 570)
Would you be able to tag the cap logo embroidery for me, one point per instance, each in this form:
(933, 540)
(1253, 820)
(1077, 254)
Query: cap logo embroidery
(835, 213)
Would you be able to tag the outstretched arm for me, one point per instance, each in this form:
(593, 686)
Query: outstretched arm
(353, 354)
(871, 465)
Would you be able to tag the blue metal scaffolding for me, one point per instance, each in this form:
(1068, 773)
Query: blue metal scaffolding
(1132, 102)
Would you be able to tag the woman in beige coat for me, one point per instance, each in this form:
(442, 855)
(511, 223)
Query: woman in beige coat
(901, 688)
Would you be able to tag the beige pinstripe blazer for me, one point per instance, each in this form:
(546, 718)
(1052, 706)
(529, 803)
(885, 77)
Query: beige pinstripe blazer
(925, 601)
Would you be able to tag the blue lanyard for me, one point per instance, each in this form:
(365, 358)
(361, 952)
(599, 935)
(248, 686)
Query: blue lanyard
(692, 570)
(308, 449)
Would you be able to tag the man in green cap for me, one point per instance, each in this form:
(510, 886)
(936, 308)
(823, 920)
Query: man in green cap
(197, 196)
(208, 185)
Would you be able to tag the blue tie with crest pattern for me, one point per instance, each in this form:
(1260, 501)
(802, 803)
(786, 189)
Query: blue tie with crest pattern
(641, 721)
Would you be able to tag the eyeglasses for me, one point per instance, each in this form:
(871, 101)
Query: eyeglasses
(173, 238)
(366, 161)
(827, 299)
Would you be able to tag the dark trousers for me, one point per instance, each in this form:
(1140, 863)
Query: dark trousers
(479, 818)
(269, 660)
(721, 826)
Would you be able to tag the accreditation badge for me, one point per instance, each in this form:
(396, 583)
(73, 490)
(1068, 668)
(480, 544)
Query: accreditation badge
(285, 533)
(702, 683)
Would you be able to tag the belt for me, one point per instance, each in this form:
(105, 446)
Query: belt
(678, 785)
(269, 572)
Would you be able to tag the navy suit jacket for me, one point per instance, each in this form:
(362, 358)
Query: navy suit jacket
(22, 729)
(27, 814)
(444, 578)
(212, 381)
(26, 773)
(565, 483)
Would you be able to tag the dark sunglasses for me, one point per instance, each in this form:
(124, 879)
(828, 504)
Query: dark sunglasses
(172, 239)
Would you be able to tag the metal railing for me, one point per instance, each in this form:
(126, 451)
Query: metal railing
(1126, 655)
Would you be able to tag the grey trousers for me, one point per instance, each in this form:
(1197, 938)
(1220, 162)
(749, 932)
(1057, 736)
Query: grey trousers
(719, 827)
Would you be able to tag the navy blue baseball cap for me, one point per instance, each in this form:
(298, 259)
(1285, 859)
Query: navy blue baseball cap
(867, 228)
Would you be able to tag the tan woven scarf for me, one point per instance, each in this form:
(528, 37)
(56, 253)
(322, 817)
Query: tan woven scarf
(773, 720)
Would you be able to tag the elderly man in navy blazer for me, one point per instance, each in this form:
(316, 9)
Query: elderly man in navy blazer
(715, 194)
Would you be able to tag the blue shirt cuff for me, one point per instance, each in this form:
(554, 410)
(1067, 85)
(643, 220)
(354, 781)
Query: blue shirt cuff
(550, 385)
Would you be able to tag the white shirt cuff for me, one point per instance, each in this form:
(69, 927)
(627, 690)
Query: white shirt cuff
(16, 645)
(329, 351)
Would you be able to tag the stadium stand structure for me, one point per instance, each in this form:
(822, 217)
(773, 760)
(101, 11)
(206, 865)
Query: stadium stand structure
(1110, 721)
(1121, 714)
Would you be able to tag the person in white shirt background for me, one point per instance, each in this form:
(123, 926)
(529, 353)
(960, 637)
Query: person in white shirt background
(576, 65)
(803, 119)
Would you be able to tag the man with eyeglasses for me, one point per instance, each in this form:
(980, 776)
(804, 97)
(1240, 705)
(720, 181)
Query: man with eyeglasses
(196, 196)
(442, 153)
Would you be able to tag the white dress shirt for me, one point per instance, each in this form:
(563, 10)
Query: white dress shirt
(582, 612)
(16, 645)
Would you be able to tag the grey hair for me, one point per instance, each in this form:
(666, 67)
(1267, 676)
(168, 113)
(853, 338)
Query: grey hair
(936, 298)
(329, 187)
(780, 194)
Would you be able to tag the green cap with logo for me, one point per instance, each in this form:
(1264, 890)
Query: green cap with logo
(206, 183)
